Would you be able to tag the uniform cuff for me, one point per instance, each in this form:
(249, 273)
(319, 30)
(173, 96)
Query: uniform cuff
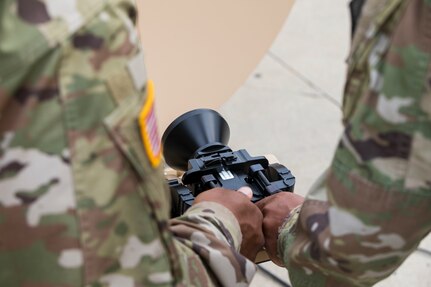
(286, 234)
(220, 220)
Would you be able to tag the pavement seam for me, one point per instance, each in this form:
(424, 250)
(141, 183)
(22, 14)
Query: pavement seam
(303, 78)
(424, 251)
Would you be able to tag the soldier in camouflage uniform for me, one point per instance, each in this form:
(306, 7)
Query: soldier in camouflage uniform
(83, 200)
(373, 206)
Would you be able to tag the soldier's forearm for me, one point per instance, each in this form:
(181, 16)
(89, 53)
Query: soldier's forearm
(208, 239)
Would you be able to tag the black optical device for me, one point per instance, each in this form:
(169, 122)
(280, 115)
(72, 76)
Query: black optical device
(196, 143)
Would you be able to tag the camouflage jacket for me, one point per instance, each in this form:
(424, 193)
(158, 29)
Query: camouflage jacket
(373, 206)
(83, 201)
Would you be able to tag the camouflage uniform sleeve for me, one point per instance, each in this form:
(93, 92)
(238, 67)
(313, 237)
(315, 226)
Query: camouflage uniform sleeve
(208, 237)
(371, 209)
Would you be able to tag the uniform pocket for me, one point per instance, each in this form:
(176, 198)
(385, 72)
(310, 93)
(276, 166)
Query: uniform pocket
(123, 125)
(122, 201)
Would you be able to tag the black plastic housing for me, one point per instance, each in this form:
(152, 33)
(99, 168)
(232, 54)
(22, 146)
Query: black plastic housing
(196, 143)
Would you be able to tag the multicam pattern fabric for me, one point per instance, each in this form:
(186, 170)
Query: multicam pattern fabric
(229, 268)
(373, 207)
(80, 204)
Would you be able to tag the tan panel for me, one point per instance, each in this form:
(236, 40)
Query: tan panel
(198, 52)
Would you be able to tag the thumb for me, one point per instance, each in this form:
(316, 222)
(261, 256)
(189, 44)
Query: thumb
(246, 191)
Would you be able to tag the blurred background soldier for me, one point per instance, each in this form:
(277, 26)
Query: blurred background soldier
(83, 200)
(373, 206)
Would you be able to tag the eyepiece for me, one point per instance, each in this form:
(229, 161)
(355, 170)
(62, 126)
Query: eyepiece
(191, 132)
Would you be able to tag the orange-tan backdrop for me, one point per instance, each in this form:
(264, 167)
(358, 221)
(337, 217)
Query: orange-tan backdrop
(198, 52)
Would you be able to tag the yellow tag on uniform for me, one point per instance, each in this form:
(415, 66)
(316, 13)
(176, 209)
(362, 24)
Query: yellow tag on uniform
(149, 131)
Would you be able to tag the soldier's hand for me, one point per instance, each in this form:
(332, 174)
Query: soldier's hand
(247, 214)
(275, 210)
